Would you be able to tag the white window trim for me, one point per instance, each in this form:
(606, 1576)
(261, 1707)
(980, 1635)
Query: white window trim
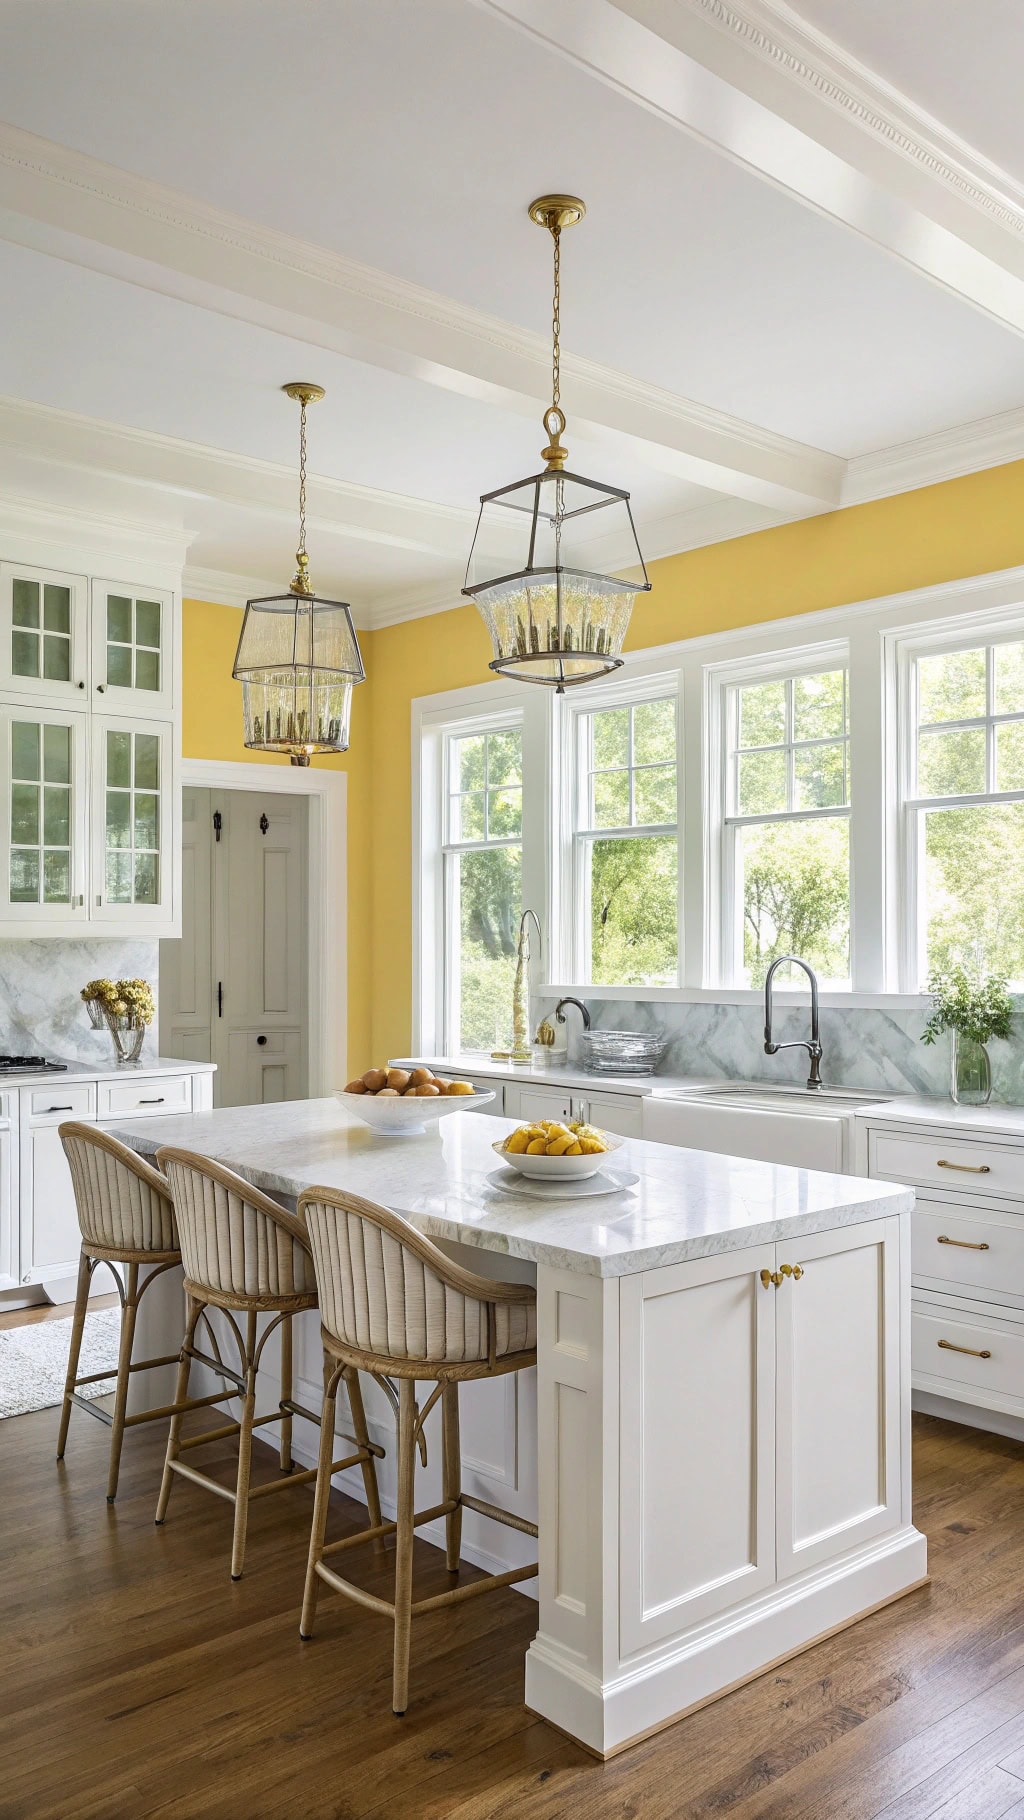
(723, 940)
(481, 708)
(872, 632)
(645, 683)
(903, 803)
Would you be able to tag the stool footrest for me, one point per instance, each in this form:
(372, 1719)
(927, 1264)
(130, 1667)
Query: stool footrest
(388, 1529)
(255, 1491)
(456, 1594)
(93, 1409)
(510, 1520)
(290, 1408)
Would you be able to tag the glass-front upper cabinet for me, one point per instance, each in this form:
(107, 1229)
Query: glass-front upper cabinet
(44, 645)
(132, 820)
(43, 817)
(132, 663)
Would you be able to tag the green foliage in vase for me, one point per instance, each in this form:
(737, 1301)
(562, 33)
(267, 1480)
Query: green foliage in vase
(977, 1008)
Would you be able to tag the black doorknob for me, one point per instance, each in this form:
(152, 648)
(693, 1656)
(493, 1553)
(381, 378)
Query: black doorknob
(261, 1041)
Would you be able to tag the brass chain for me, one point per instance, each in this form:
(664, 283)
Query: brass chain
(302, 478)
(556, 323)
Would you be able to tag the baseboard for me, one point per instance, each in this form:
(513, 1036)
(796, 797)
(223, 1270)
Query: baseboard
(744, 1642)
(969, 1415)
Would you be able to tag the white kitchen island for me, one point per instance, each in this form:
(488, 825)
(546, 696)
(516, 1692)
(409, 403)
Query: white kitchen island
(722, 1394)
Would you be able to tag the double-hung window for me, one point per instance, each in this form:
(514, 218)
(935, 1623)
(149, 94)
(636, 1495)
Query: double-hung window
(624, 893)
(786, 824)
(482, 856)
(963, 808)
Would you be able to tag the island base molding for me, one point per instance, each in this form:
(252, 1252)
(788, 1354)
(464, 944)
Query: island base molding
(643, 1699)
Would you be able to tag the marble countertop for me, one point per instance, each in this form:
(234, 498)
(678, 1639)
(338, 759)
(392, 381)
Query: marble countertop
(556, 1074)
(686, 1204)
(971, 1121)
(105, 1071)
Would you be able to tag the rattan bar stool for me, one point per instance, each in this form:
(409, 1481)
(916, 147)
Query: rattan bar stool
(125, 1217)
(392, 1304)
(244, 1254)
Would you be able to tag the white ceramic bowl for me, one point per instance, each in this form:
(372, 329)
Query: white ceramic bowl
(550, 1168)
(408, 1113)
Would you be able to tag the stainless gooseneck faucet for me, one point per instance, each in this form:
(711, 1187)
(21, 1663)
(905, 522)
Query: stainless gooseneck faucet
(813, 1048)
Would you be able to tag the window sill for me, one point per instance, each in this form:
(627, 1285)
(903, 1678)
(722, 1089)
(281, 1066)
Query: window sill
(739, 995)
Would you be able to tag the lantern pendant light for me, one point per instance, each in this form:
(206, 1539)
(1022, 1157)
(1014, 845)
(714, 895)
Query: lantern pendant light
(298, 656)
(552, 617)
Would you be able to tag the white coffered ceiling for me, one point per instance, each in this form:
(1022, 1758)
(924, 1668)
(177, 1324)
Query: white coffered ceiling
(800, 281)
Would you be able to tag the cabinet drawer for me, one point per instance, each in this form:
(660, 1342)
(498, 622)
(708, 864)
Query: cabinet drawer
(168, 1093)
(972, 1254)
(941, 1162)
(61, 1102)
(953, 1347)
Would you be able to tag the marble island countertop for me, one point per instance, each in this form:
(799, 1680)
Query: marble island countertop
(103, 1071)
(686, 1203)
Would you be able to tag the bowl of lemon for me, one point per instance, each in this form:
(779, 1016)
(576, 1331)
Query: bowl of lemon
(548, 1150)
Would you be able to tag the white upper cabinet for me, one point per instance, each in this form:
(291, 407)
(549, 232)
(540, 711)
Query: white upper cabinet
(90, 742)
(132, 662)
(131, 818)
(43, 818)
(44, 634)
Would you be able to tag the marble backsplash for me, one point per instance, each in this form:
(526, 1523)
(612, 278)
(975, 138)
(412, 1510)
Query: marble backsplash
(41, 1012)
(862, 1048)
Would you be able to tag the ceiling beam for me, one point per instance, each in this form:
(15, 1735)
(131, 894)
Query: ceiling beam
(60, 202)
(752, 80)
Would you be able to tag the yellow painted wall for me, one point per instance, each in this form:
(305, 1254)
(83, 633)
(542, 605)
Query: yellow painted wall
(913, 540)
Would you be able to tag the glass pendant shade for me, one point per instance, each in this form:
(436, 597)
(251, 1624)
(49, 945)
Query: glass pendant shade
(554, 617)
(298, 660)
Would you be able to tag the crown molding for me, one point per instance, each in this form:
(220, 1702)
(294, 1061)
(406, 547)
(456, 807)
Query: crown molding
(777, 35)
(62, 537)
(966, 449)
(64, 202)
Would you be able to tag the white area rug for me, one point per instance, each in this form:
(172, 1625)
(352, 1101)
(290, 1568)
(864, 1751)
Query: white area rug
(34, 1360)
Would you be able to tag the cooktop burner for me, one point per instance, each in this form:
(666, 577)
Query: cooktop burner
(30, 1064)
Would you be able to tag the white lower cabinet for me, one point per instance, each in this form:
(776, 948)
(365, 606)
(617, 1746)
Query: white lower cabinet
(618, 1112)
(39, 1233)
(967, 1254)
(761, 1430)
(8, 1193)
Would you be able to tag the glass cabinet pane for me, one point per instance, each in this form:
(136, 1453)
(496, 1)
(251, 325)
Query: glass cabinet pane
(40, 813)
(40, 629)
(133, 643)
(132, 818)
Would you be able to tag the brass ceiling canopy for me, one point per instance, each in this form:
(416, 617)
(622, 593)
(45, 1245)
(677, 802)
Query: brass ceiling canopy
(551, 617)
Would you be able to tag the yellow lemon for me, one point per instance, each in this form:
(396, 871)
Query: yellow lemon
(536, 1147)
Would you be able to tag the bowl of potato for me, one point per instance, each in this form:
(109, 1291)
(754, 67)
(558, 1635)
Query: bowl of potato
(548, 1149)
(407, 1099)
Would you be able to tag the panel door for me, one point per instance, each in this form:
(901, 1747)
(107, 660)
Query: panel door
(44, 644)
(9, 1235)
(43, 808)
(618, 1112)
(132, 649)
(132, 821)
(697, 1370)
(50, 1236)
(260, 1019)
(838, 1372)
(530, 1102)
(186, 966)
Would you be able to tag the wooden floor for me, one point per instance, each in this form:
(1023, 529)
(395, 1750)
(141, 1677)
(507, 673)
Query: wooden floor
(136, 1681)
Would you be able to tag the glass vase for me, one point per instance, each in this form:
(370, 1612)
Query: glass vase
(95, 1010)
(128, 1034)
(970, 1072)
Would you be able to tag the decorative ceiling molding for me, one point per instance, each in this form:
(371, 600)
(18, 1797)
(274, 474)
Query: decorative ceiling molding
(722, 71)
(62, 202)
(778, 34)
(948, 454)
(62, 537)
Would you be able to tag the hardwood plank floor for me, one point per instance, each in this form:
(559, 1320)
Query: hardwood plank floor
(138, 1683)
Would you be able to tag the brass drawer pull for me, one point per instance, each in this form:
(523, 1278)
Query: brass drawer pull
(965, 1168)
(948, 1346)
(778, 1277)
(964, 1244)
